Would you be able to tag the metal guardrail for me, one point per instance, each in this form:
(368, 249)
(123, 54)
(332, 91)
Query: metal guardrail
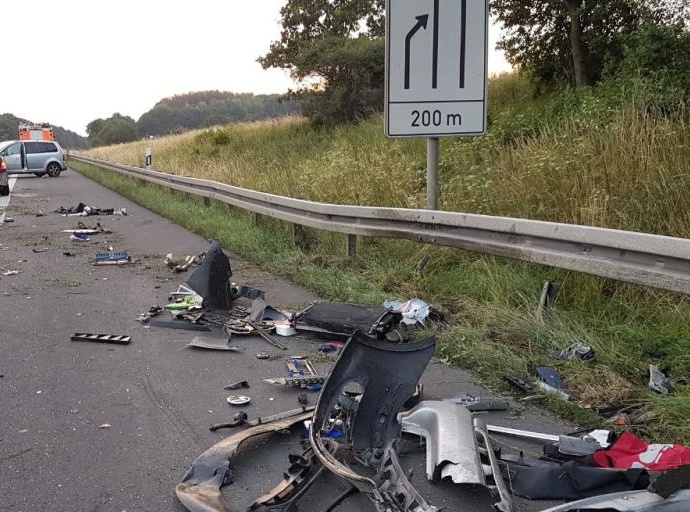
(650, 260)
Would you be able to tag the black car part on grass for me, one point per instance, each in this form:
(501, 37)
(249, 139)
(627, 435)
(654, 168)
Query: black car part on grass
(387, 376)
(212, 279)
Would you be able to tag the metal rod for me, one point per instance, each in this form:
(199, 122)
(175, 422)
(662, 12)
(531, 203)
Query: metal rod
(432, 173)
(522, 433)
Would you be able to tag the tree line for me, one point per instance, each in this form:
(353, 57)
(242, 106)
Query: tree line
(189, 111)
(335, 50)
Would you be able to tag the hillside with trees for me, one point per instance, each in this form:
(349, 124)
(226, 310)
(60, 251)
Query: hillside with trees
(9, 124)
(208, 108)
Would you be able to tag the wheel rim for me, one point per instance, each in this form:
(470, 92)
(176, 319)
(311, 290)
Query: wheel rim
(53, 170)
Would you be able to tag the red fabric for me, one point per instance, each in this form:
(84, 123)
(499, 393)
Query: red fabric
(629, 451)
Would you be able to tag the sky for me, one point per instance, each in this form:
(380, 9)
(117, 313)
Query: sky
(101, 57)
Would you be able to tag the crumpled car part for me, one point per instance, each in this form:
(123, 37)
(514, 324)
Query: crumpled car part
(388, 374)
(346, 318)
(306, 483)
(634, 501)
(211, 279)
(199, 490)
(452, 448)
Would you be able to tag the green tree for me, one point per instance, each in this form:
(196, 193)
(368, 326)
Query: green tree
(114, 130)
(572, 41)
(335, 49)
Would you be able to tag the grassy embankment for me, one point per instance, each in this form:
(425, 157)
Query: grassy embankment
(571, 157)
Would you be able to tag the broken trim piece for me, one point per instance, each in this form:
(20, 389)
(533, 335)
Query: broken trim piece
(451, 447)
(199, 490)
(634, 501)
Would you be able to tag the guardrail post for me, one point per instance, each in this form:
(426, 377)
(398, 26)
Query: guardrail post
(300, 237)
(351, 245)
(207, 201)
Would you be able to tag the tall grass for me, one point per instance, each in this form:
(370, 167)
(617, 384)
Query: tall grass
(592, 156)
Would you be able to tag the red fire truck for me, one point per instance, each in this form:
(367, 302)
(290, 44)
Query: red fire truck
(36, 132)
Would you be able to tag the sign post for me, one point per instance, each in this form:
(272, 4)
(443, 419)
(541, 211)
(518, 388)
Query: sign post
(436, 73)
(147, 154)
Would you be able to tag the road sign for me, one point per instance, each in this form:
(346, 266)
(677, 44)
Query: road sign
(436, 67)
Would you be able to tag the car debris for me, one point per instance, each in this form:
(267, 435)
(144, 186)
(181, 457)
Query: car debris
(211, 280)
(82, 210)
(38, 251)
(576, 351)
(238, 400)
(413, 311)
(658, 381)
(237, 385)
(199, 490)
(181, 264)
(452, 451)
(79, 237)
(152, 312)
(118, 339)
(210, 344)
(111, 258)
(551, 382)
(11, 272)
(178, 324)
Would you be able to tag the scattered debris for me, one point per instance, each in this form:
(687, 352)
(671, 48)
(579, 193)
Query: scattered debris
(102, 338)
(111, 258)
(209, 344)
(68, 254)
(237, 385)
(79, 237)
(551, 382)
(329, 347)
(212, 279)
(181, 264)
(262, 355)
(658, 381)
(178, 324)
(152, 312)
(37, 251)
(10, 272)
(238, 400)
(478, 404)
(8, 219)
(82, 210)
(414, 311)
(104, 425)
(576, 351)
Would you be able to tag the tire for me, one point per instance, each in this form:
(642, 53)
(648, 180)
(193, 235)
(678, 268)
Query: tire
(53, 169)
(39, 174)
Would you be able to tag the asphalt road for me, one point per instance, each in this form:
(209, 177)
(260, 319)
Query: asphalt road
(156, 396)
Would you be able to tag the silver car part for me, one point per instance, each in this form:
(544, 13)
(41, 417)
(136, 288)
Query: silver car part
(455, 446)
(634, 501)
